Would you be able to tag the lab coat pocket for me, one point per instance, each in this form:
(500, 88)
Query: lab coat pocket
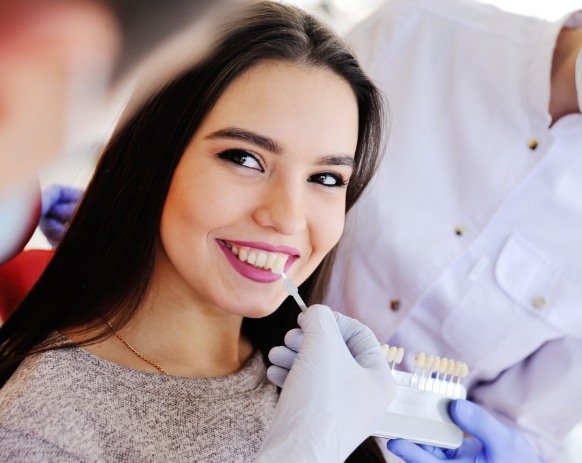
(542, 286)
(524, 300)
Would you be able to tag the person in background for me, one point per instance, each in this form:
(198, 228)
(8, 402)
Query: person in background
(468, 245)
(146, 337)
(62, 62)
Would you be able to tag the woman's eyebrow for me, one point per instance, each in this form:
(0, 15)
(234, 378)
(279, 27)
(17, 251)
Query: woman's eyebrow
(336, 160)
(245, 135)
(235, 133)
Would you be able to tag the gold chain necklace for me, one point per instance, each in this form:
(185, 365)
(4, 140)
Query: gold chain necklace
(140, 355)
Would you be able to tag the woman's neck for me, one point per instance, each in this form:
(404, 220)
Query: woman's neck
(180, 335)
(186, 342)
(563, 97)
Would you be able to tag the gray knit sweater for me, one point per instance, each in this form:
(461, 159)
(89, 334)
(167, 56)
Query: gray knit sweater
(68, 405)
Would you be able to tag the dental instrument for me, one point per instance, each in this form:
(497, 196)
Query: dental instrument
(290, 287)
(293, 291)
(420, 411)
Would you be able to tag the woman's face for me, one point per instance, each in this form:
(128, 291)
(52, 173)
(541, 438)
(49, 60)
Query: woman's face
(265, 174)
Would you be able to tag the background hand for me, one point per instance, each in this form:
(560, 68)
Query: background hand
(58, 205)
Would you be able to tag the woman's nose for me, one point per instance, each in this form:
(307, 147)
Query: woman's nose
(283, 208)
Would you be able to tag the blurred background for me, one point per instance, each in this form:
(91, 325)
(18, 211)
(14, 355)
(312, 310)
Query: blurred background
(341, 15)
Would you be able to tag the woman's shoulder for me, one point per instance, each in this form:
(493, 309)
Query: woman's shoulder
(40, 382)
(38, 404)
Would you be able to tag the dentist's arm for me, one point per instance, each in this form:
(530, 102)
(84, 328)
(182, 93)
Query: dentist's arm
(336, 388)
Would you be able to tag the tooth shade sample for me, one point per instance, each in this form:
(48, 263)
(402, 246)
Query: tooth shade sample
(279, 264)
(271, 260)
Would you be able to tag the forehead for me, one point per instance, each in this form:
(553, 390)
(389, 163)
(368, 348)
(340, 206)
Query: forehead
(292, 103)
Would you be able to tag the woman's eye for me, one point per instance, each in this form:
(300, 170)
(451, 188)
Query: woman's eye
(242, 158)
(328, 179)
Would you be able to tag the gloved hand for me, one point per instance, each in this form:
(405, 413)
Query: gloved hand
(493, 441)
(335, 393)
(58, 205)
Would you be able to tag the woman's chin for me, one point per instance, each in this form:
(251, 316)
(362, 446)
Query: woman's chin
(262, 309)
(259, 312)
(251, 305)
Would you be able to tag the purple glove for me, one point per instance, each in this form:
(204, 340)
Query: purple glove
(492, 441)
(58, 205)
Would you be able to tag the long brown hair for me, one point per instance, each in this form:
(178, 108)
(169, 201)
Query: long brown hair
(103, 266)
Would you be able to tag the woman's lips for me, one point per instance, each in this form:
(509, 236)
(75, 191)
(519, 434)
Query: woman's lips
(247, 270)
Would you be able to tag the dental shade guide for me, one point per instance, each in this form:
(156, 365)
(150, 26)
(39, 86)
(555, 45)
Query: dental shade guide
(420, 410)
(290, 287)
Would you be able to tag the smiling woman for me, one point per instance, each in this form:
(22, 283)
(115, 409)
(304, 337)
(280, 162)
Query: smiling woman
(146, 337)
(273, 157)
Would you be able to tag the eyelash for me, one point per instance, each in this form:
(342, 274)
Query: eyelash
(238, 157)
(340, 182)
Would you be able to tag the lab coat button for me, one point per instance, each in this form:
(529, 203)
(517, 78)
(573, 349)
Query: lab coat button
(459, 230)
(538, 302)
(394, 305)
(532, 144)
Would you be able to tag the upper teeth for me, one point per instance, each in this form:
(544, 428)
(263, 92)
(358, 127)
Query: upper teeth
(261, 259)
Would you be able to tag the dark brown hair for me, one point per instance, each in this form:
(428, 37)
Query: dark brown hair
(103, 266)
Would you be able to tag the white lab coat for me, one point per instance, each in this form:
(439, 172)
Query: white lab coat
(469, 243)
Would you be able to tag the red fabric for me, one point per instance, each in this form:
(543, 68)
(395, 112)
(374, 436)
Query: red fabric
(18, 275)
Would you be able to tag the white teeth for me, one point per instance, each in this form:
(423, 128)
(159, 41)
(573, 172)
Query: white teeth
(260, 259)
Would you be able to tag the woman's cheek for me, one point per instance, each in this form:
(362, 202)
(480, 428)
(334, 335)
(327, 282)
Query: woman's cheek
(331, 225)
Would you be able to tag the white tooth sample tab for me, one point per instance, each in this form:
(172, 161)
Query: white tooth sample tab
(385, 350)
(279, 264)
(271, 260)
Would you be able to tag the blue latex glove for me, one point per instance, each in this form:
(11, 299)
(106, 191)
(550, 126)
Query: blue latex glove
(336, 388)
(58, 206)
(492, 441)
